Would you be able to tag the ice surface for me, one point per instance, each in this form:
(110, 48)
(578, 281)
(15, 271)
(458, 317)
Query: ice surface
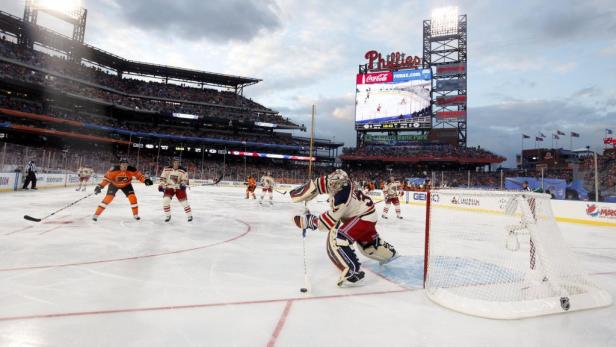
(232, 278)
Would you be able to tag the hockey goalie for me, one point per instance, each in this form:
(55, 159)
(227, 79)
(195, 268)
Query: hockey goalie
(350, 223)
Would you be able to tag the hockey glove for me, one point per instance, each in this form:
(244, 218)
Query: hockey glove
(182, 187)
(148, 182)
(97, 189)
(161, 189)
(306, 221)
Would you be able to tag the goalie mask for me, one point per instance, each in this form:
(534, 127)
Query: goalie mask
(333, 183)
(330, 184)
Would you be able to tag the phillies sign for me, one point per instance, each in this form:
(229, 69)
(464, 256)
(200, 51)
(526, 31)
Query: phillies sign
(392, 61)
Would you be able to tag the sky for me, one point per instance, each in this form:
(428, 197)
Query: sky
(533, 66)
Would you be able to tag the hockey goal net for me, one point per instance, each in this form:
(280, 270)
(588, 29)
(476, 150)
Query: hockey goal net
(500, 255)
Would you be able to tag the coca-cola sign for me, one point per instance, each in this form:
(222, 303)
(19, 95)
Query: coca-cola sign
(375, 77)
(392, 61)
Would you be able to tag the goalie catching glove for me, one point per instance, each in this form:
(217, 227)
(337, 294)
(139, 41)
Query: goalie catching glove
(306, 221)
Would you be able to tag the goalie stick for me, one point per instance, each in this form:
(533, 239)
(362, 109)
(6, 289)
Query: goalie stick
(33, 219)
(306, 287)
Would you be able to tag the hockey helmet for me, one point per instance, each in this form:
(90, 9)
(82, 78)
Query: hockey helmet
(333, 183)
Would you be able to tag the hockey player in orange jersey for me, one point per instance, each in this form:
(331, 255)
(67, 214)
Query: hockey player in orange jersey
(120, 177)
(251, 184)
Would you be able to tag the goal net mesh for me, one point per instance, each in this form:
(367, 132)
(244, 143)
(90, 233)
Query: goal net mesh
(501, 255)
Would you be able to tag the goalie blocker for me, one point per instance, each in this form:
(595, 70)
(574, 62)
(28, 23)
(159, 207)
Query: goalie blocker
(350, 223)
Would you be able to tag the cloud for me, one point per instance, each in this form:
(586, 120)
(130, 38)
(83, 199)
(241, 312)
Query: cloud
(565, 68)
(334, 116)
(562, 21)
(213, 20)
(499, 127)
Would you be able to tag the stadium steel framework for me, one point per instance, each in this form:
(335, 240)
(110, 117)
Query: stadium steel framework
(445, 51)
(77, 17)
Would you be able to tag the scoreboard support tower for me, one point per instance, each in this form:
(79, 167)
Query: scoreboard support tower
(445, 51)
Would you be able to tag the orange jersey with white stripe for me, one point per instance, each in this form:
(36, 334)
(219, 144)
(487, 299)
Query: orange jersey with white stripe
(121, 178)
(252, 183)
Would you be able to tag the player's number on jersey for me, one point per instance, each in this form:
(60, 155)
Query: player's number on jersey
(366, 199)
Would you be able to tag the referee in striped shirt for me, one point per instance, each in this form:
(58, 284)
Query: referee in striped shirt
(30, 175)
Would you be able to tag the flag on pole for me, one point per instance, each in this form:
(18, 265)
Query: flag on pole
(556, 137)
(558, 132)
(573, 134)
(542, 134)
(524, 136)
(538, 138)
(609, 131)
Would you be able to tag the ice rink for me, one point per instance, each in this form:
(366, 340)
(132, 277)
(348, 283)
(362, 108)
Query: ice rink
(232, 278)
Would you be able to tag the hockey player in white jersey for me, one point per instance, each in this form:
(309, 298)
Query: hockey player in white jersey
(84, 174)
(392, 191)
(350, 222)
(267, 188)
(173, 181)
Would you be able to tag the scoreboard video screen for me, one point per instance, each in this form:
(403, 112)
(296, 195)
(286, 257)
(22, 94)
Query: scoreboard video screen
(394, 100)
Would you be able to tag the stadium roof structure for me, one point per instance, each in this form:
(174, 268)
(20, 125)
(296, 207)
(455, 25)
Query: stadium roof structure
(61, 43)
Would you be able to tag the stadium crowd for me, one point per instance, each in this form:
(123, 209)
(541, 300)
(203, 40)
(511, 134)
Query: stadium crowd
(95, 83)
(237, 168)
(88, 118)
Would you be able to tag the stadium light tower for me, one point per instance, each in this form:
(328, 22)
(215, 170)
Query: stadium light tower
(62, 6)
(445, 52)
(69, 11)
(444, 21)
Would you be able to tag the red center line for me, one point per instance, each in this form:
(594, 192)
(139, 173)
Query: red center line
(63, 224)
(280, 325)
(52, 229)
(183, 307)
(248, 229)
(32, 226)
(20, 229)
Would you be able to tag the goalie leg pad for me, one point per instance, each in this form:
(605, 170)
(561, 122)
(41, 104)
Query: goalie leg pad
(378, 250)
(343, 256)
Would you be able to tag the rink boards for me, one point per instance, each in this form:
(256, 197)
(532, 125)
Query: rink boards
(581, 212)
(11, 181)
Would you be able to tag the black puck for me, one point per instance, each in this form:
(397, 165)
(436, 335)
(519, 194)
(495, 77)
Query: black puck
(303, 290)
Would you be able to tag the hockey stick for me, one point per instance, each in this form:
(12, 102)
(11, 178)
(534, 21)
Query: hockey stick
(280, 192)
(214, 182)
(33, 219)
